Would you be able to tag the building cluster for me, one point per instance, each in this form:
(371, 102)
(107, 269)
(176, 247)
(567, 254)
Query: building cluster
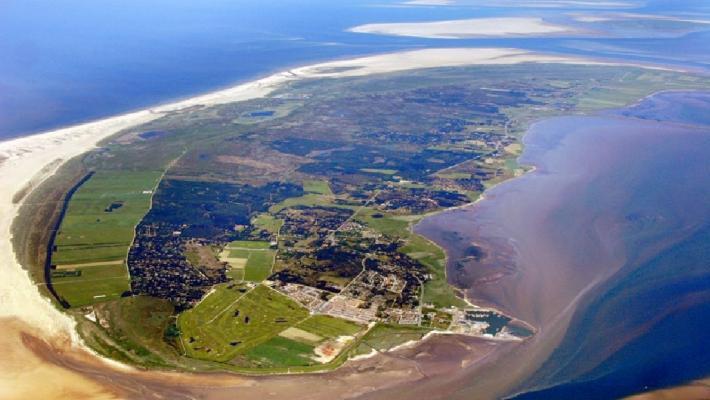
(159, 268)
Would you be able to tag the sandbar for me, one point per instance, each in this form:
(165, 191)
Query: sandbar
(469, 28)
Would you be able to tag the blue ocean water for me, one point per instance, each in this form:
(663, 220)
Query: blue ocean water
(72, 61)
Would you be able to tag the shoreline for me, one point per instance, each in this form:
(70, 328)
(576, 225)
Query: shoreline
(557, 326)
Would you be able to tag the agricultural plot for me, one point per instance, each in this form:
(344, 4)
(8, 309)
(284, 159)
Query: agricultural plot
(259, 265)
(234, 319)
(102, 215)
(383, 223)
(249, 260)
(379, 171)
(90, 284)
(248, 245)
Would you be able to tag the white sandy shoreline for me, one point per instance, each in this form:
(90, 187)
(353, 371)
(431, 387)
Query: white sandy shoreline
(27, 159)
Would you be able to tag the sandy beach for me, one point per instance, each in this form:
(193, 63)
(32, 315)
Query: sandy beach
(469, 28)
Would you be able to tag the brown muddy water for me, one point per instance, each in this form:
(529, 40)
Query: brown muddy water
(610, 232)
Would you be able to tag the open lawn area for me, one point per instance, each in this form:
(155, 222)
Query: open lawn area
(317, 187)
(281, 352)
(329, 327)
(383, 337)
(102, 215)
(437, 291)
(300, 345)
(308, 200)
(89, 284)
(248, 244)
(232, 321)
(268, 223)
(249, 260)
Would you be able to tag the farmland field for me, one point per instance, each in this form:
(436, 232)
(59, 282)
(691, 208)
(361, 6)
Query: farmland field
(102, 216)
(249, 260)
(95, 283)
(247, 244)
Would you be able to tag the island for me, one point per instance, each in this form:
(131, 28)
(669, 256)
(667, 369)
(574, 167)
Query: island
(273, 235)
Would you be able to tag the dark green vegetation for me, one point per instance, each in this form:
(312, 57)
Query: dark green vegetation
(192, 215)
(334, 173)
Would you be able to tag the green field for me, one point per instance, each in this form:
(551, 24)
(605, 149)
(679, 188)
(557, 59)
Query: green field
(248, 244)
(256, 258)
(437, 291)
(317, 187)
(259, 265)
(383, 337)
(217, 328)
(281, 352)
(308, 200)
(379, 171)
(329, 327)
(387, 225)
(296, 348)
(89, 232)
(268, 223)
(96, 283)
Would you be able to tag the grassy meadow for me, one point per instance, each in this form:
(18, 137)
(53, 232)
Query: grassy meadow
(231, 321)
(97, 231)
